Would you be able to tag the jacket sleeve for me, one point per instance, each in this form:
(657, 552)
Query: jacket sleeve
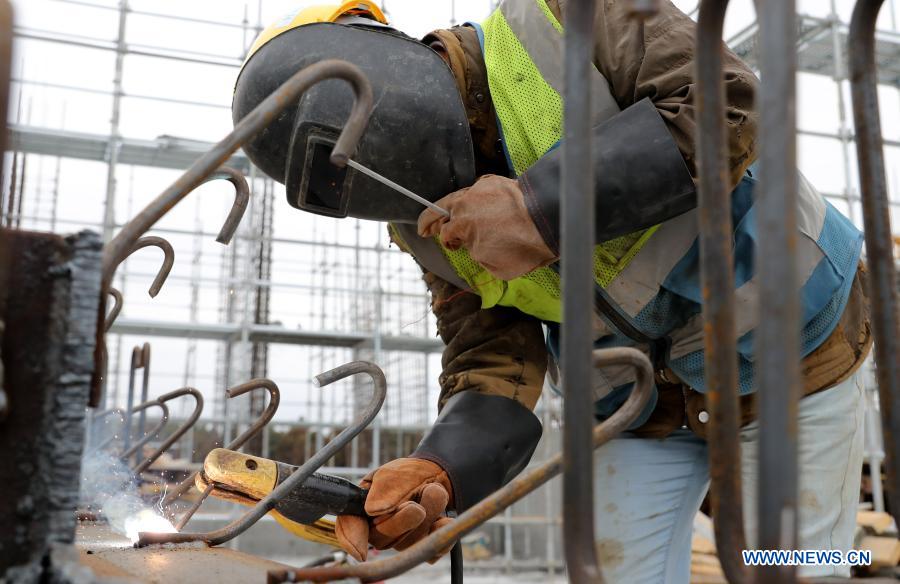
(493, 374)
(645, 157)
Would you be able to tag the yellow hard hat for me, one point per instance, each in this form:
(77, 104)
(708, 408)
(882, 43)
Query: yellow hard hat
(317, 13)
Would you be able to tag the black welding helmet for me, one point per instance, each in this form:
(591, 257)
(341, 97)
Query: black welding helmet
(418, 134)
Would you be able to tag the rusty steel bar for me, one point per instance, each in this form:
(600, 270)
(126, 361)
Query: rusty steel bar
(154, 431)
(777, 337)
(241, 200)
(168, 260)
(113, 314)
(137, 362)
(255, 428)
(110, 318)
(577, 268)
(877, 222)
(182, 429)
(282, 98)
(719, 305)
(441, 540)
(145, 390)
(268, 503)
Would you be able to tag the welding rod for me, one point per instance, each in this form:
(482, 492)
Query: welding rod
(402, 190)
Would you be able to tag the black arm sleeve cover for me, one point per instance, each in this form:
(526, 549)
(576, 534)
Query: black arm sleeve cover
(640, 177)
(482, 441)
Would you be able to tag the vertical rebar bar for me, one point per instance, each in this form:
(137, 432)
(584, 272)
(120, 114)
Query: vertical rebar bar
(145, 392)
(777, 338)
(717, 273)
(6, 30)
(879, 244)
(577, 228)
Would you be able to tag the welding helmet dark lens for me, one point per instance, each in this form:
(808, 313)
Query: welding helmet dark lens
(319, 186)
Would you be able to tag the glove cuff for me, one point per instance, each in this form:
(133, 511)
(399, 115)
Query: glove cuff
(482, 442)
(640, 178)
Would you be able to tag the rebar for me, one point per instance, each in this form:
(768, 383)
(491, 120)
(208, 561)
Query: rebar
(282, 98)
(777, 337)
(139, 355)
(154, 431)
(168, 260)
(268, 503)
(441, 540)
(255, 428)
(719, 305)
(239, 207)
(879, 246)
(113, 314)
(577, 266)
(178, 433)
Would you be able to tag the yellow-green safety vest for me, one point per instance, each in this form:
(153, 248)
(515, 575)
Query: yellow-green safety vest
(522, 46)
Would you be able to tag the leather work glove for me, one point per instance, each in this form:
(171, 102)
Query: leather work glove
(491, 221)
(406, 502)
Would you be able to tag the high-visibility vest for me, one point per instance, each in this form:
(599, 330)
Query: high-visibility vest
(649, 279)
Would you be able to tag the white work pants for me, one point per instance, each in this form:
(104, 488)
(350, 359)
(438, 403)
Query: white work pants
(648, 491)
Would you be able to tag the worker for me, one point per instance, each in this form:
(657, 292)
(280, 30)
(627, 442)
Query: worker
(471, 117)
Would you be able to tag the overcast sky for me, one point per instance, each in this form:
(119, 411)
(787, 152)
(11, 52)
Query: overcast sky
(46, 65)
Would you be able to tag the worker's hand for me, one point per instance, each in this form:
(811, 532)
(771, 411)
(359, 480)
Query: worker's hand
(406, 502)
(491, 221)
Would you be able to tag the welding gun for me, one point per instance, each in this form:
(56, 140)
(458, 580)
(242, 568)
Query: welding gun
(246, 479)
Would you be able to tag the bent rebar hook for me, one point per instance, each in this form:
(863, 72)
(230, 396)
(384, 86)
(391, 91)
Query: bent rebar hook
(110, 318)
(239, 207)
(154, 431)
(140, 359)
(877, 221)
(168, 260)
(246, 436)
(261, 116)
(443, 538)
(158, 281)
(113, 314)
(266, 504)
(192, 419)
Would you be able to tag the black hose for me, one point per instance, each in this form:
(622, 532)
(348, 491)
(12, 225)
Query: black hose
(456, 564)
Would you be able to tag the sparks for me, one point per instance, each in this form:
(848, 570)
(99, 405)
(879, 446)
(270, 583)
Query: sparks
(147, 520)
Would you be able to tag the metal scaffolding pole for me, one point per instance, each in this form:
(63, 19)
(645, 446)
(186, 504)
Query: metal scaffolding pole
(115, 138)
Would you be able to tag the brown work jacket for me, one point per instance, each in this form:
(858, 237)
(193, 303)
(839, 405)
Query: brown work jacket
(501, 350)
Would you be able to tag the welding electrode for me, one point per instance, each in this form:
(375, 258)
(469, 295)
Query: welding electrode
(402, 190)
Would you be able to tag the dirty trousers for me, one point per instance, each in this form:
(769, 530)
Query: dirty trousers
(648, 490)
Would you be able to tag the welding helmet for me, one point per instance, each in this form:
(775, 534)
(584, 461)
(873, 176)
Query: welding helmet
(417, 136)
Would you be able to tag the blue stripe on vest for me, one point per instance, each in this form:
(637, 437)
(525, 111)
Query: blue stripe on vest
(823, 296)
(823, 299)
(684, 279)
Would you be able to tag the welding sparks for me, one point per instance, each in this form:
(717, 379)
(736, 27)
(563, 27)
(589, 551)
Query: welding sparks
(147, 520)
